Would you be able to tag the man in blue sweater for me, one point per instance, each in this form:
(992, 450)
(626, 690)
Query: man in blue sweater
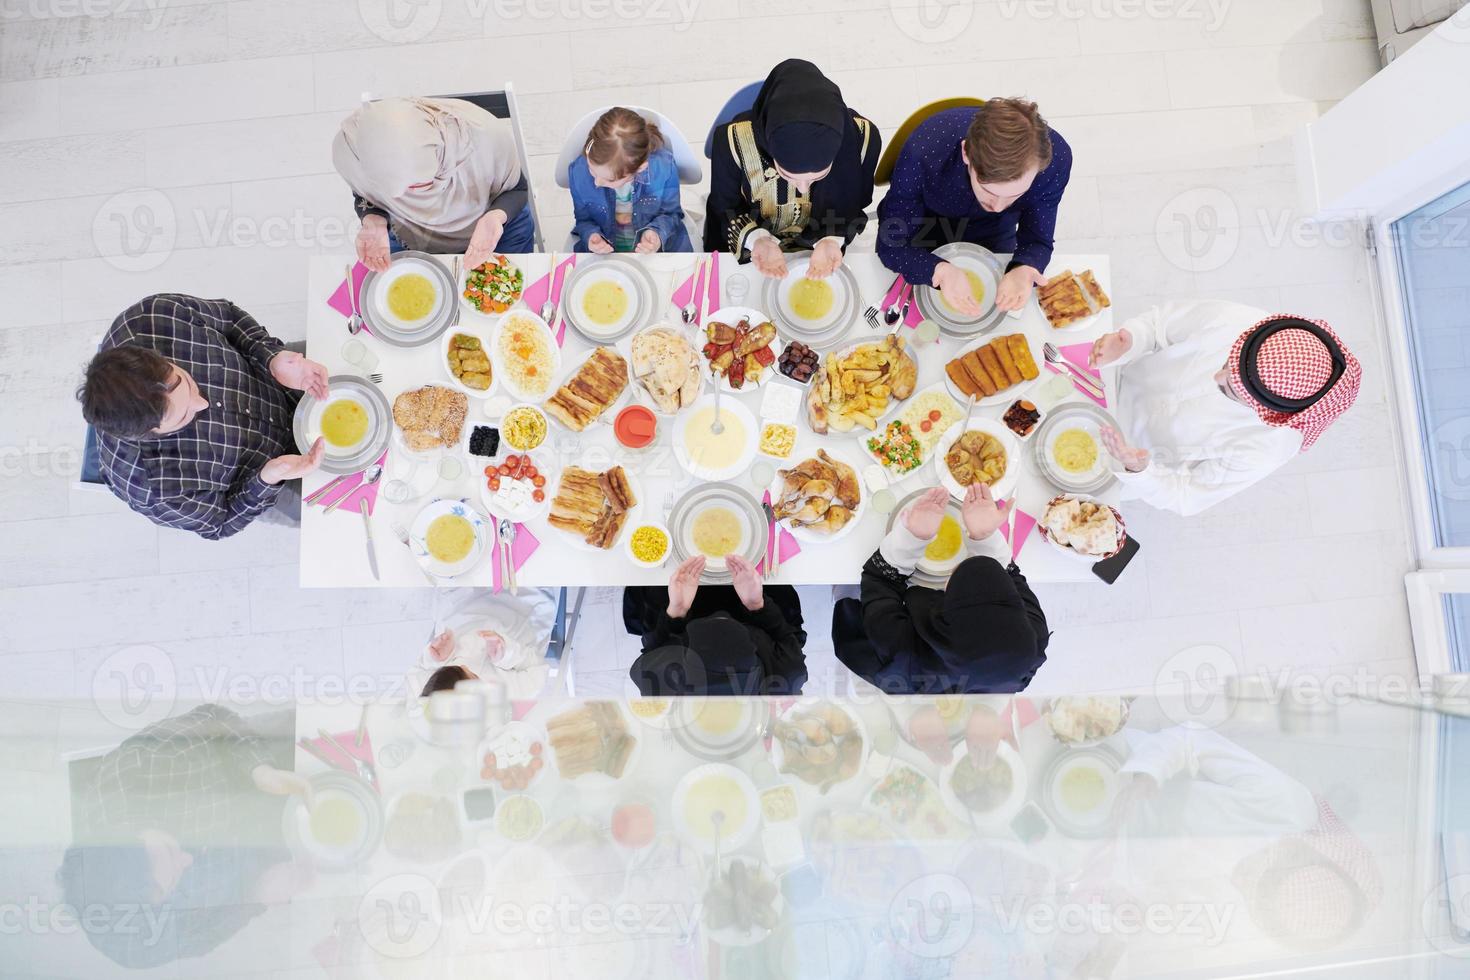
(993, 176)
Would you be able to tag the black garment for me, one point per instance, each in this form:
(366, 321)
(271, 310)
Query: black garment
(720, 647)
(984, 634)
(798, 112)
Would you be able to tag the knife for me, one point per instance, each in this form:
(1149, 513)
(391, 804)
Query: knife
(326, 488)
(367, 525)
(771, 539)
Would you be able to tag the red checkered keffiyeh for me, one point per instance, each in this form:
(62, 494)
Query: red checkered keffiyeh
(1296, 364)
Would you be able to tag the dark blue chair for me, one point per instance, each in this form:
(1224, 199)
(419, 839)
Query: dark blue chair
(738, 103)
(91, 474)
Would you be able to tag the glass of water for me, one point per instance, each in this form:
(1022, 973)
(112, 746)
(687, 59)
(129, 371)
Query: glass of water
(356, 353)
(761, 474)
(736, 287)
(926, 332)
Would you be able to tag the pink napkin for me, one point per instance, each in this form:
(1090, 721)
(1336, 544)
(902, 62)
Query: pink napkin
(714, 283)
(348, 740)
(786, 545)
(1076, 355)
(535, 295)
(684, 295)
(339, 301)
(353, 492)
(561, 321)
(1024, 524)
(524, 547)
(892, 293)
(915, 317)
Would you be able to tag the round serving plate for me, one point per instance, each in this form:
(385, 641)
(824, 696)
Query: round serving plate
(681, 524)
(1074, 415)
(846, 303)
(1091, 822)
(975, 259)
(626, 272)
(929, 574)
(384, 326)
(1004, 396)
(327, 788)
(719, 746)
(732, 315)
(484, 536)
(306, 424)
(1001, 488)
(806, 535)
(730, 407)
(498, 360)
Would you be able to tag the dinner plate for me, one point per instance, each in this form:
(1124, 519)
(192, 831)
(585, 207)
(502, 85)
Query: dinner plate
(1001, 488)
(846, 301)
(1074, 415)
(420, 527)
(393, 331)
(802, 706)
(732, 835)
(475, 311)
(731, 412)
(729, 935)
(716, 745)
(926, 818)
(501, 361)
(732, 315)
(569, 371)
(306, 424)
(896, 411)
(731, 497)
(988, 267)
(1073, 820)
(805, 534)
(1006, 396)
(698, 361)
(345, 794)
(532, 511)
(485, 337)
(598, 460)
(627, 274)
(933, 574)
(998, 817)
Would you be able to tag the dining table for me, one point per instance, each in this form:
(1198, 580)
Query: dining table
(364, 546)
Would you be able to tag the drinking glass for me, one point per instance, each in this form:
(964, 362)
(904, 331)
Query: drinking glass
(762, 473)
(736, 286)
(884, 501)
(926, 332)
(356, 353)
(451, 468)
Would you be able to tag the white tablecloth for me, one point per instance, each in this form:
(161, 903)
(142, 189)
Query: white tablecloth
(332, 545)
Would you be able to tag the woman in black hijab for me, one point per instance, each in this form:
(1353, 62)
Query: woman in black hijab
(984, 634)
(794, 173)
(743, 638)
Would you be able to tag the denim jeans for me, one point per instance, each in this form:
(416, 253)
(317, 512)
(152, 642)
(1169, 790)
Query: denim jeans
(518, 235)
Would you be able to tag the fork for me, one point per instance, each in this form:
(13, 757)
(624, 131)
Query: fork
(1054, 357)
(872, 313)
(376, 377)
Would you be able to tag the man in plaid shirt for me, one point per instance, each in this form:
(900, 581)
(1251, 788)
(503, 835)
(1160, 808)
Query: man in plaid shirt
(192, 402)
(179, 841)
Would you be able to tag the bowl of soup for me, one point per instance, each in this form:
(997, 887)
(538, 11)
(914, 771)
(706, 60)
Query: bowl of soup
(982, 286)
(449, 537)
(603, 302)
(409, 295)
(344, 425)
(717, 531)
(716, 452)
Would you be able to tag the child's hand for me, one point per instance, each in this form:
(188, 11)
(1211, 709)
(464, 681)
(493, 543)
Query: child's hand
(599, 244)
(648, 243)
(441, 646)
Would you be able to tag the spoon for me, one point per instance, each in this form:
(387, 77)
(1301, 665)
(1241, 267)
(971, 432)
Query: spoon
(717, 426)
(718, 819)
(690, 313)
(548, 307)
(354, 322)
(507, 539)
(369, 476)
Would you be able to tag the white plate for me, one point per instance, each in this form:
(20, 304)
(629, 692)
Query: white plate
(335, 394)
(532, 733)
(496, 509)
(1005, 397)
(841, 298)
(628, 544)
(699, 364)
(598, 461)
(895, 412)
(748, 533)
(729, 408)
(623, 350)
(987, 278)
(420, 527)
(999, 816)
(598, 273)
(912, 826)
(403, 267)
(1090, 822)
(593, 780)
(778, 748)
(498, 359)
(732, 315)
(716, 746)
(484, 337)
(731, 837)
(729, 935)
(1091, 427)
(1001, 488)
(804, 534)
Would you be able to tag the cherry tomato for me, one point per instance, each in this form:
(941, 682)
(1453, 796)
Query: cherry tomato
(538, 480)
(503, 470)
(538, 495)
(934, 416)
(512, 459)
(490, 470)
(926, 425)
(494, 483)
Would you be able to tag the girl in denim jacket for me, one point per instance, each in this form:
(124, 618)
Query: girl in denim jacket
(625, 189)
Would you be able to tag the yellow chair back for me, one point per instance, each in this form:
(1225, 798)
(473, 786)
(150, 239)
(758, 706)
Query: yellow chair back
(889, 158)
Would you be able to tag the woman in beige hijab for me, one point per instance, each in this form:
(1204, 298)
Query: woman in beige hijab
(434, 175)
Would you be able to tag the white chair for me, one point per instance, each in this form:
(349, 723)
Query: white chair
(691, 171)
(501, 103)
